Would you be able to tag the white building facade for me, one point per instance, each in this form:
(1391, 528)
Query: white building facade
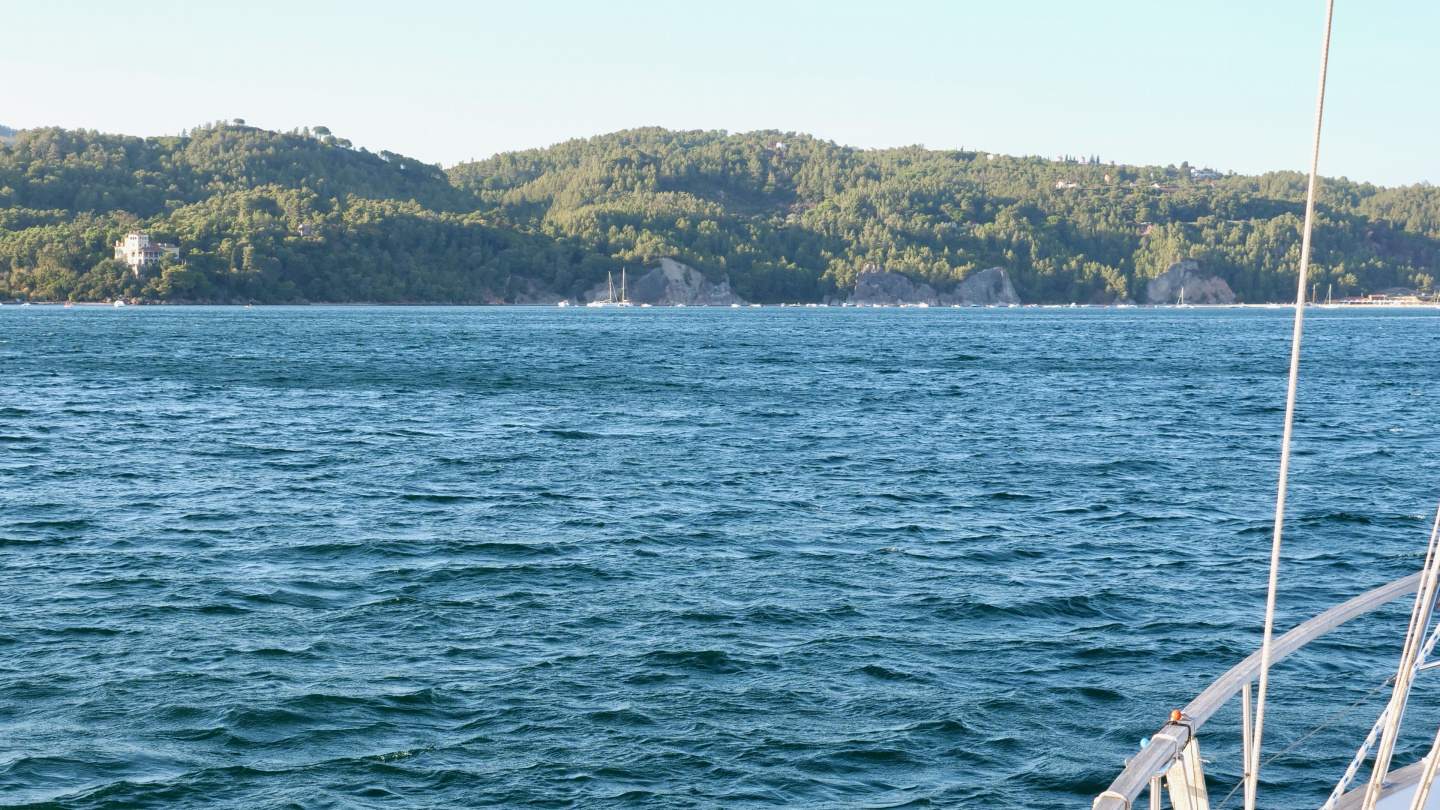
(138, 251)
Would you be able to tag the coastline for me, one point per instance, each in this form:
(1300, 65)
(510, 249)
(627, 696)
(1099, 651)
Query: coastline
(361, 304)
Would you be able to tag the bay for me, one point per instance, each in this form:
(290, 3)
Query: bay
(470, 557)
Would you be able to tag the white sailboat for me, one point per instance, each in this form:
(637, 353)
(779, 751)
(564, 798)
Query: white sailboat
(624, 298)
(1170, 761)
(609, 293)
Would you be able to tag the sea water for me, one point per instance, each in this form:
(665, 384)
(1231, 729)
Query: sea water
(469, 557)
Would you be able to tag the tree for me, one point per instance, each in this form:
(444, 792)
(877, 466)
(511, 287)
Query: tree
(790, 226)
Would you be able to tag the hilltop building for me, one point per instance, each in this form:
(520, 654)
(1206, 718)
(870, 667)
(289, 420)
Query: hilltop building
(138, 251)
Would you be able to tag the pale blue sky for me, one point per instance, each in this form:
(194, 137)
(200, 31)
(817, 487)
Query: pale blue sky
(1222, 83)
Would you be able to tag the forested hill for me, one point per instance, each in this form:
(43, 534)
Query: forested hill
(786, 217)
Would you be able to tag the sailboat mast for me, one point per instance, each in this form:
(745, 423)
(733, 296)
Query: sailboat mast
(1252, 768)
(622, 286)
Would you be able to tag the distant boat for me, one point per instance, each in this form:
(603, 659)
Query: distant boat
(69, 303)
(563, 304)
(624, 298)
(734, 306)
(119, 302)
(609, 292)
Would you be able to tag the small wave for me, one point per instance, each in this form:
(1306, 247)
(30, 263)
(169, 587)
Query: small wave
(578, 435)
(1337, 517)
(715, 662)
(432, 497)
(885, 674)
(78, 523)
(947, 728)
(620, 717)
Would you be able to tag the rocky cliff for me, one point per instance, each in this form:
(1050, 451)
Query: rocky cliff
(890, 289)
(671, 283)
(985, 288)
(1186, 275)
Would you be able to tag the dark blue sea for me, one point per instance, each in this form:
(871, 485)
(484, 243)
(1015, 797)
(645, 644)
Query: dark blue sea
(685, 558)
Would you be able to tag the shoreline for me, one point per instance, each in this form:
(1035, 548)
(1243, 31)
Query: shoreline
(110, 305)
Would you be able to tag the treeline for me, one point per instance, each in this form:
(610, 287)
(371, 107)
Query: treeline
(787, 217)
(383, 227)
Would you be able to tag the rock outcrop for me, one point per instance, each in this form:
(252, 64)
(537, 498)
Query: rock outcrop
(1186, 275)
(532, 298)
(890, 289)
(524, 293)
(672, 283)
(986, 288)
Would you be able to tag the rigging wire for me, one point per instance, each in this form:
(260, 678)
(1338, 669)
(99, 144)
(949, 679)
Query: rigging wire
(1410, 659)
(1252, 768)
(1311, 733)
(1364, 752)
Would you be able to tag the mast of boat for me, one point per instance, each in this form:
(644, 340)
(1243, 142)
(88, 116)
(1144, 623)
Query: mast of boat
(610, 287)
(1181, 302)
(1252, 765)
(623, 298)
(1328, 291)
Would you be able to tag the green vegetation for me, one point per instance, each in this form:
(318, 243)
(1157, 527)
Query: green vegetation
(793, 222)
(7, 135)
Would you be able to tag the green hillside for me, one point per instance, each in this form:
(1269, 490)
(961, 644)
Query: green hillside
(785, 216)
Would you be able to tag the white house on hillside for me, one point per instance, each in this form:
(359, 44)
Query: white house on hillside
(137, 250)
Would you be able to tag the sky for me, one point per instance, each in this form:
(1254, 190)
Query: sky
(1221, 83)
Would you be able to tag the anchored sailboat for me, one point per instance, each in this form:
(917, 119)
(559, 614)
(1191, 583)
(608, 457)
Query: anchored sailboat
(610, 292)
(1171, 761)
(624, 299)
